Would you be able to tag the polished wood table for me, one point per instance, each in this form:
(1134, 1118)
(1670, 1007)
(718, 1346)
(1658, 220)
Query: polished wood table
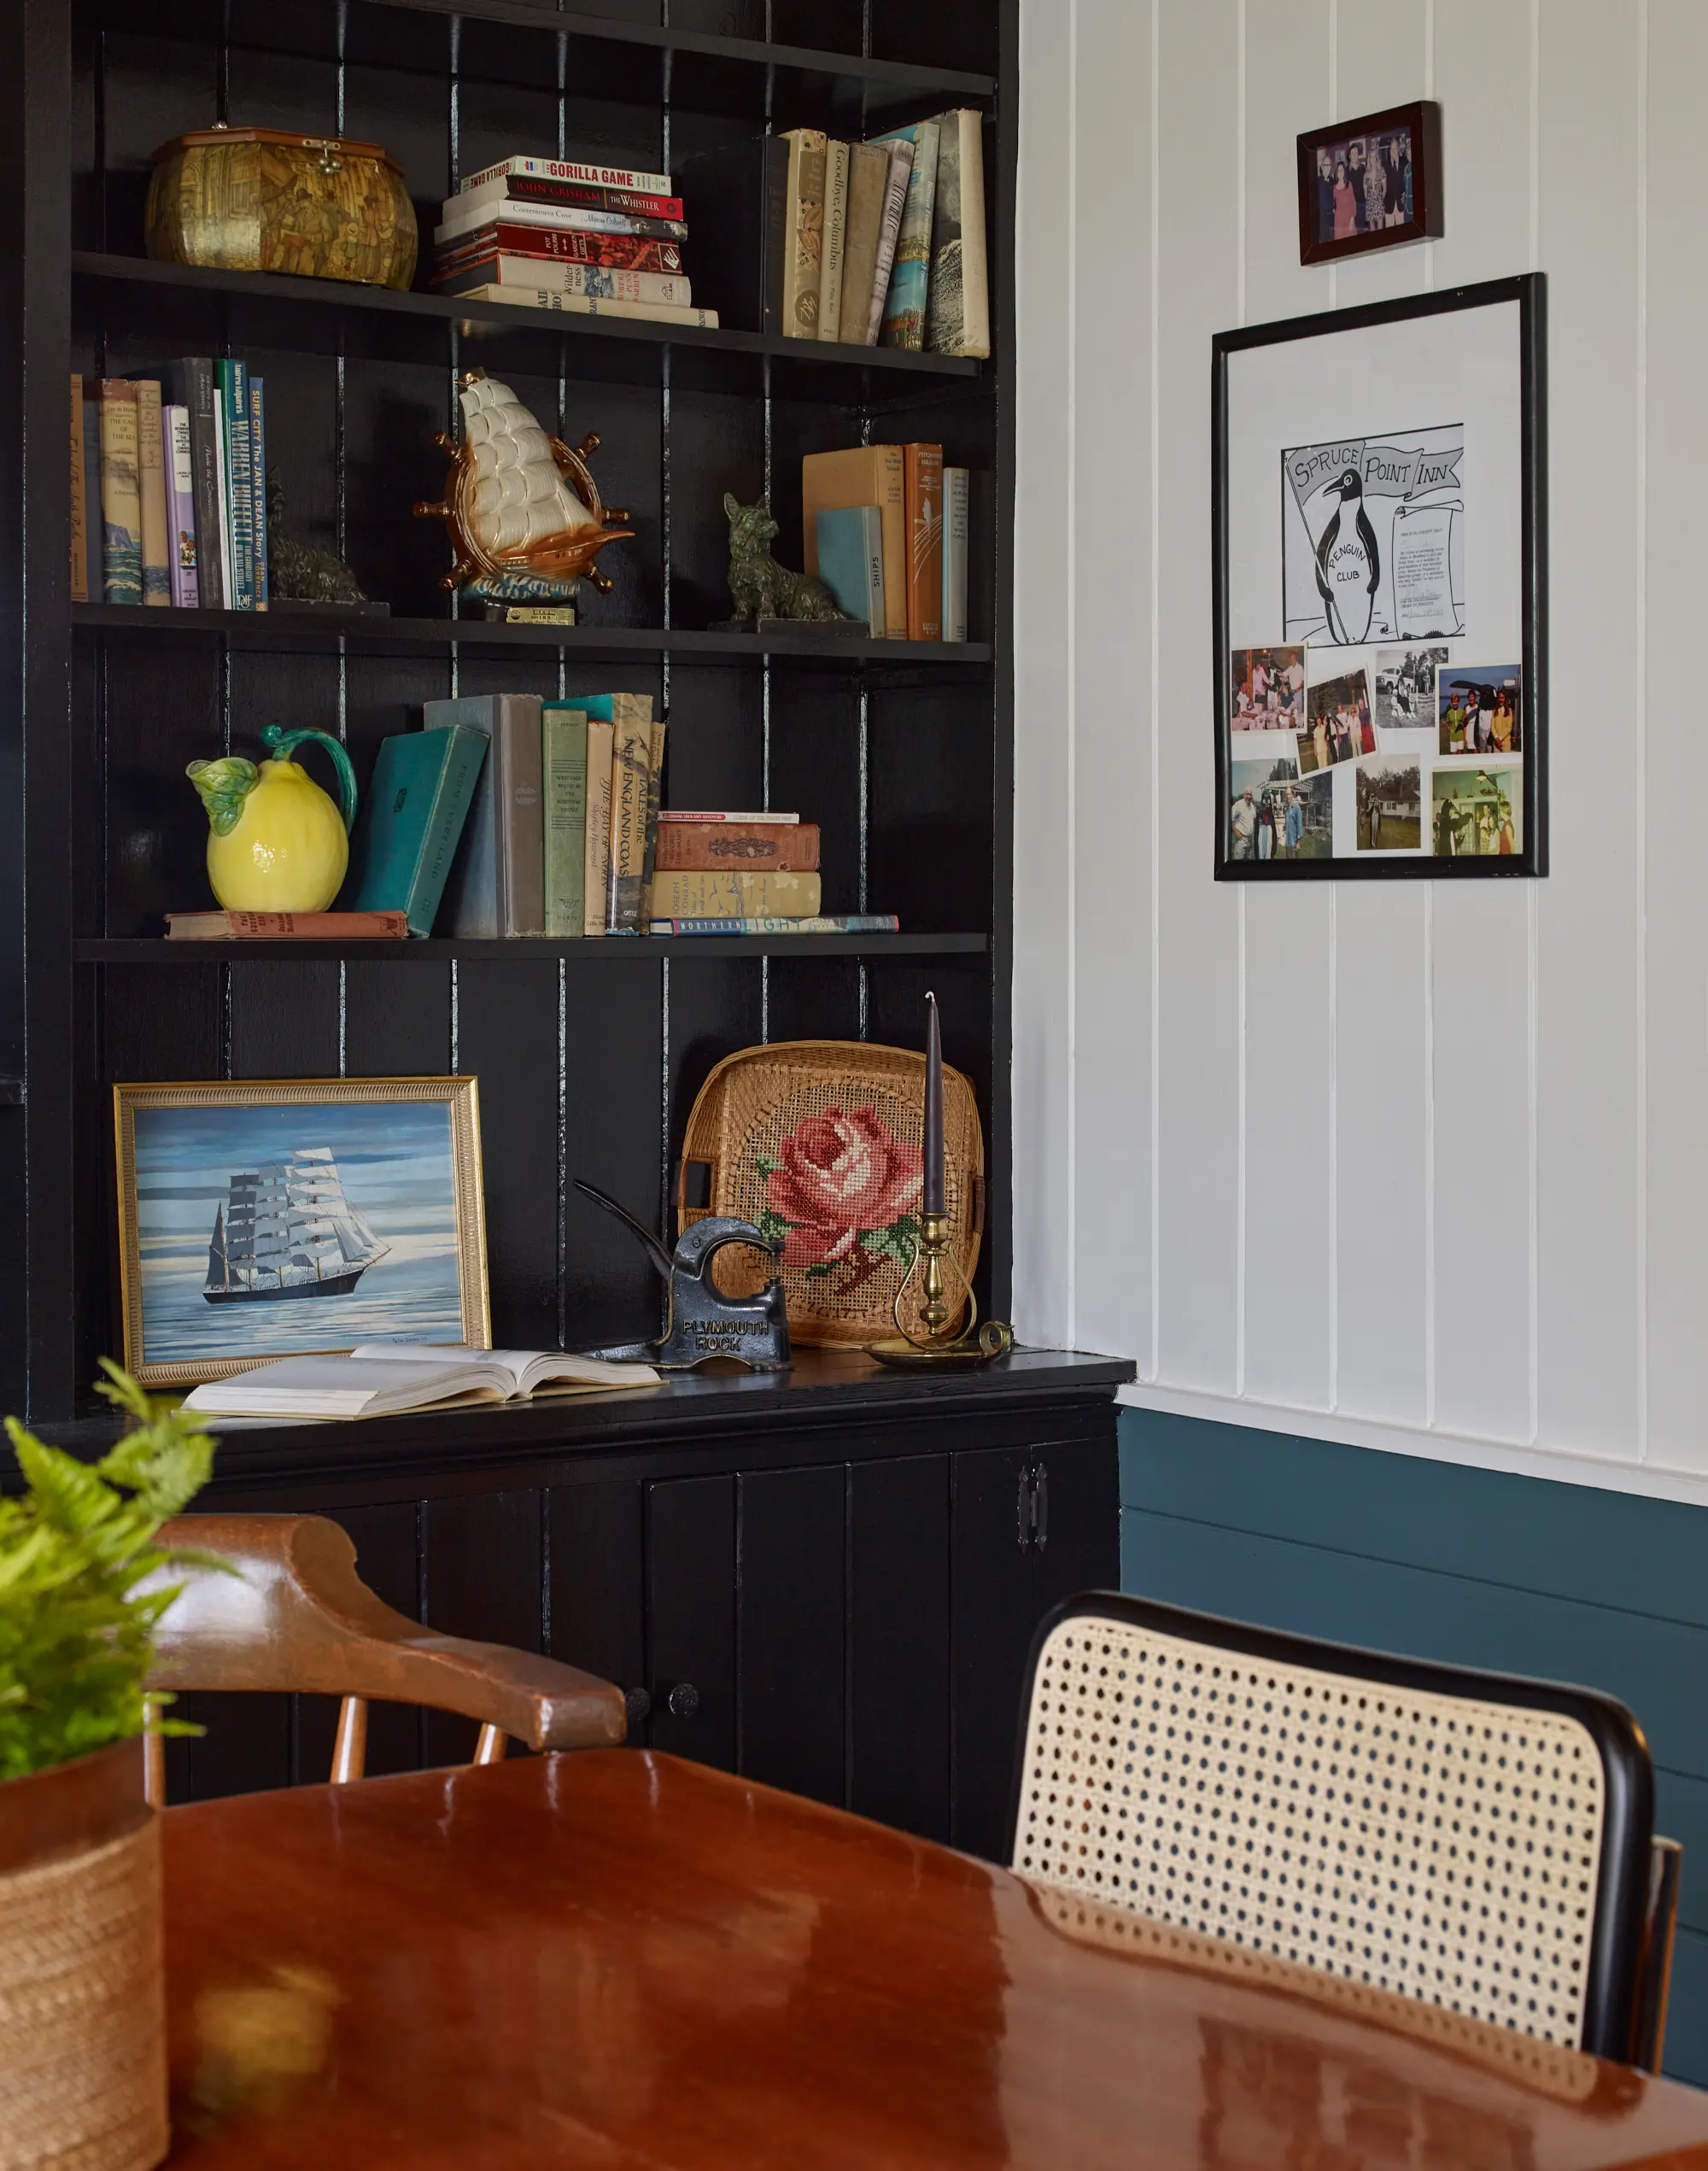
(614, 1959)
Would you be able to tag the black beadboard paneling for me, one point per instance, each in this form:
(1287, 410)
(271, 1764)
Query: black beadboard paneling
(905, 779)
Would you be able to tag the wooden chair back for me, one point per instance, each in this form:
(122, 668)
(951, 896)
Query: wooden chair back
(296, 1618)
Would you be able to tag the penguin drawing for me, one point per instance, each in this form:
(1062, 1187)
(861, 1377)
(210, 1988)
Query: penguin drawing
(1349, 561)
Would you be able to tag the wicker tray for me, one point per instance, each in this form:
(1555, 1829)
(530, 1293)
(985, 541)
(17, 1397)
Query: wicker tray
(819, 1143)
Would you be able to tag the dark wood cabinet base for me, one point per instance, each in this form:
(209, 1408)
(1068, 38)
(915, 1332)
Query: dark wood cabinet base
(828, 1581)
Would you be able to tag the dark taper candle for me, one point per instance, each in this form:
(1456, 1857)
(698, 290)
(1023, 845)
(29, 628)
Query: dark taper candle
(933, 1111)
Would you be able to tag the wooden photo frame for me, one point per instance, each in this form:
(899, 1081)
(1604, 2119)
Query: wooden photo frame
(1380, 589)
(285, 1217)
(1372, 182)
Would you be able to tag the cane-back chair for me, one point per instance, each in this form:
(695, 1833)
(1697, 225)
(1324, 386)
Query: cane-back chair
(1476, 1841)
(296, 1618)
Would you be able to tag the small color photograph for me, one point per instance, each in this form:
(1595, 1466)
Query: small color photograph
(1480, 709)
(1259, 797)
(1478, 812)
(1338, 725)
(1268, 689)
(1389, 804)
(1406, 687)
(1363, 184)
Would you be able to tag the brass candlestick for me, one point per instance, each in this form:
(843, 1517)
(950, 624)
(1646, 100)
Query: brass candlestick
(939, 1346)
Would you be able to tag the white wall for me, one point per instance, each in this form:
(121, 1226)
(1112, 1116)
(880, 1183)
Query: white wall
(1421, 1164)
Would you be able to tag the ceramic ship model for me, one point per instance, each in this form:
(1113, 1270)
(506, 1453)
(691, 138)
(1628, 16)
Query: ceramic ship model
(523, 510)
(286, 1230)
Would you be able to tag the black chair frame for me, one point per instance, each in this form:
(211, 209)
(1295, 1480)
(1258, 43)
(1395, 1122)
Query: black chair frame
(1636, 1886)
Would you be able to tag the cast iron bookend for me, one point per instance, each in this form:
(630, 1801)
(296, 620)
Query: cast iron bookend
(759, 588)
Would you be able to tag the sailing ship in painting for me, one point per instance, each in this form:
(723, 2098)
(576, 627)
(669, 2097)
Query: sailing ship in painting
(286, 1230)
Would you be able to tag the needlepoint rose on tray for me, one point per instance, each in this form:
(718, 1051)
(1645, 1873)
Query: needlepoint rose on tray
(843, 1189)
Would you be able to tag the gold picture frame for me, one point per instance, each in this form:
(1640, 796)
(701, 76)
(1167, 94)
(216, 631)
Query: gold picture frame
(248, 1194)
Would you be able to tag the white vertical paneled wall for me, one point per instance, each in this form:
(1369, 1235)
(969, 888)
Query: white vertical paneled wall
(1424, 1165)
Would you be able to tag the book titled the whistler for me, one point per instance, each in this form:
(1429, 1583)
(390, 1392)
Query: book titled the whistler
(385, 1378)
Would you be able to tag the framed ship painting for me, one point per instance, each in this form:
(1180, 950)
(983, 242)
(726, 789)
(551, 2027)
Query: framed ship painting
(277, 1218)
(1380, 536)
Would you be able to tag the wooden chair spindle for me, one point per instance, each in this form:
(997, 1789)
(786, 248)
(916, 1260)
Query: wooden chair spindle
(350, 1745)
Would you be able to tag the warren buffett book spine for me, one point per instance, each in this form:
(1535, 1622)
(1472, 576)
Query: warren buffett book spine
(820, 923)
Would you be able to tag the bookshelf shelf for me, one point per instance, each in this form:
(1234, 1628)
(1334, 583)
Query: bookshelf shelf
(320, 633)
(619, 343)
(155, 950)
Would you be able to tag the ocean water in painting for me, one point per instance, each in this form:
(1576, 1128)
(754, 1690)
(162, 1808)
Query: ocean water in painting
(398, 1174)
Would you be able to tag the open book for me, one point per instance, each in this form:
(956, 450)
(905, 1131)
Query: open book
(382, 1379)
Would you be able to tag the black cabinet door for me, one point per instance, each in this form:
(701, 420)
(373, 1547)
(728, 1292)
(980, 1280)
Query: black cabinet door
(596, 1588)
(898, 1654)
(1076, 1521)
(990, 1624)
(691, 1617)
(1031, 1527)
(789, 1578)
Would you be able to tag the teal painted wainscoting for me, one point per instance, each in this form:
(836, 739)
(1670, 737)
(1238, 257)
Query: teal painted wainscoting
(1467, 1565)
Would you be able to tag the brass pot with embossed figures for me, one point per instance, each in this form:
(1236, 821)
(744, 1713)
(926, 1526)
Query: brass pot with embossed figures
(263, 200)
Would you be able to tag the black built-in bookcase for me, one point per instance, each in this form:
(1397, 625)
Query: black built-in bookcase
(588, 1054)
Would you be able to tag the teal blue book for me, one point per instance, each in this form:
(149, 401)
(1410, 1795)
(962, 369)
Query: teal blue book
(410, 821)
(850, 562)
(904, 304)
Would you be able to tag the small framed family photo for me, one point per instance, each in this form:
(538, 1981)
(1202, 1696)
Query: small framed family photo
(286, 1218)
(1374, 182)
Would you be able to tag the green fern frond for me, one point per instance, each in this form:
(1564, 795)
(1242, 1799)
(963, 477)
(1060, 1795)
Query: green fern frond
(83, 1586)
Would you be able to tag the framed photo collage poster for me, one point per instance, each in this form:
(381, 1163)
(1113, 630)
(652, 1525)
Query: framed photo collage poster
(1380, 540)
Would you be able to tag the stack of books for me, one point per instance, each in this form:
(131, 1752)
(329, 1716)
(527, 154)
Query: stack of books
(745, 874)
(863, 243)
(168, 489)
(885, 528)
(553, 233)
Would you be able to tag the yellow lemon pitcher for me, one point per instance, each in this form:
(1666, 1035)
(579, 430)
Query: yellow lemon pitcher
(276, 842)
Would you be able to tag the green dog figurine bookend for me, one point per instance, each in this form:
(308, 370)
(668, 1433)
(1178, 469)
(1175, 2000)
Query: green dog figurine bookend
(759, 588)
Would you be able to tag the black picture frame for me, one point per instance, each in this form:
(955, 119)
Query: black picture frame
(1422, 121)
(1528, 291)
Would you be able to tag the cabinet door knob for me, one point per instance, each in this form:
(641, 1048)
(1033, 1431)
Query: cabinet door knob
(682, 1702)
(638, 1703)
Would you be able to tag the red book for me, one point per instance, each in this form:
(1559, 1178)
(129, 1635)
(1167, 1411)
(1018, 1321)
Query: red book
(286, 926)
(783, 847)
(922, 470)
(612, 252)
(585, 195)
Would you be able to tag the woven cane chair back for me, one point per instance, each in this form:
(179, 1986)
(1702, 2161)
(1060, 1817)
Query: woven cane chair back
(1478, 1843)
